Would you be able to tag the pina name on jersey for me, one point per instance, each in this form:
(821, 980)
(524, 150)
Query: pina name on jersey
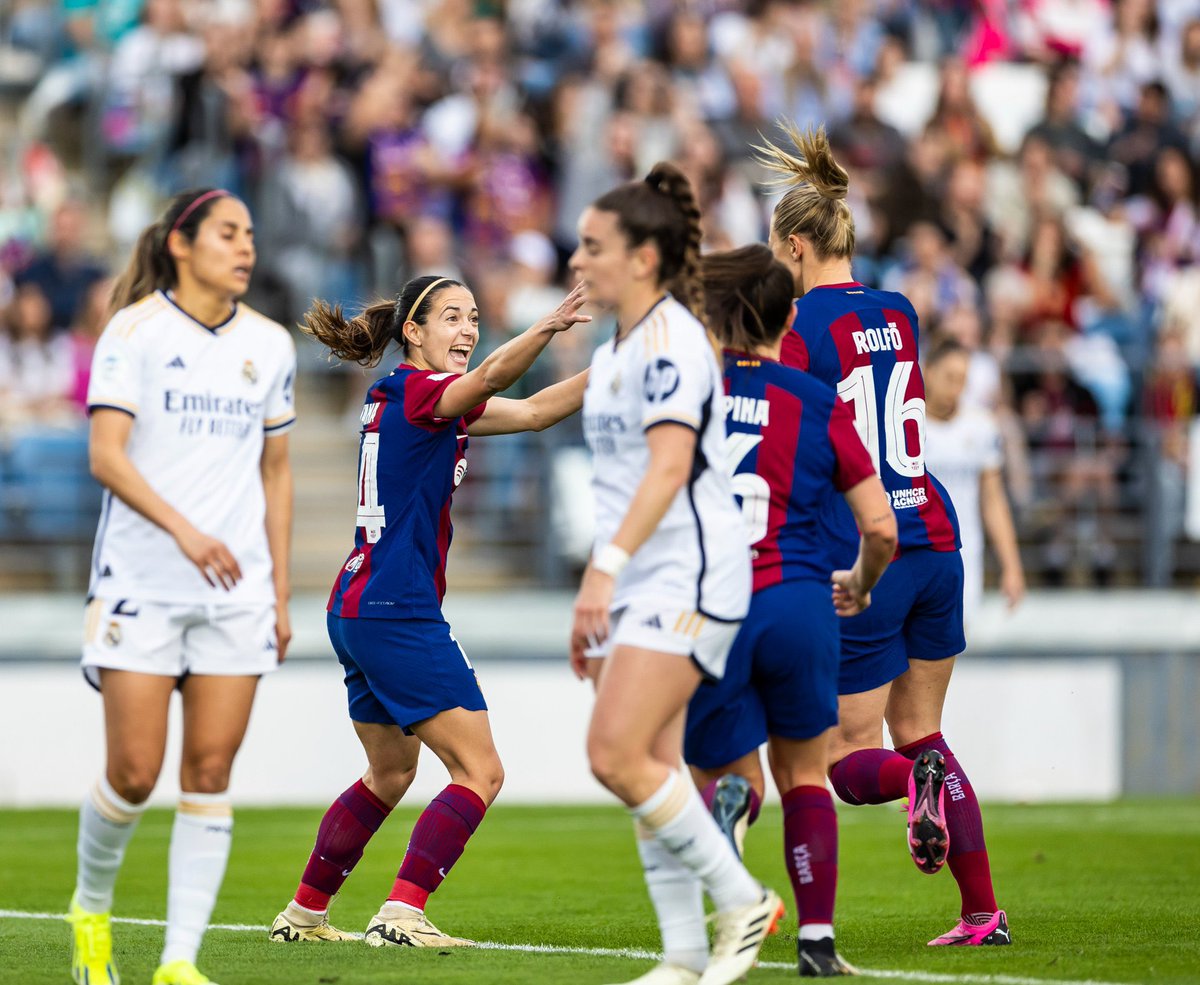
(878, 339)
(747, 410)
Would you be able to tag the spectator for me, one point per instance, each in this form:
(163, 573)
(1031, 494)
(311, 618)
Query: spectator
(140, 98)
(1076, 153)
(1147, 130)
(1181, 69)
(310, 216)
(930, 277)
(36, 371)
(89, 322)
(65, 269)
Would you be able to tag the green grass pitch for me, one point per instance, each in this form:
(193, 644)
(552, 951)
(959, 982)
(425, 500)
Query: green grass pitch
(1105, 893)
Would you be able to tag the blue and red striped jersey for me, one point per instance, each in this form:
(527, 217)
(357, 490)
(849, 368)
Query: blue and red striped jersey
(864, 343)
(409, 464)
(791, 444)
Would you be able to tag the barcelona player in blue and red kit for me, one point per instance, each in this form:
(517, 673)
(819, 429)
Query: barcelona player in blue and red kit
(408, 680)
(897, 657)
(791, 442)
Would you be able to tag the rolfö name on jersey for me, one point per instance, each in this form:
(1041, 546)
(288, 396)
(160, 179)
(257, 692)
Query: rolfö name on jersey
(747, 410)
(878, 339)
(212, 414)
(908, 499)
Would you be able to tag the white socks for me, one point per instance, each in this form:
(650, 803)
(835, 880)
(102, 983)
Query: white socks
(677, 817)
(816, 931)
(200, 843)
(678, 902)
(106, 823)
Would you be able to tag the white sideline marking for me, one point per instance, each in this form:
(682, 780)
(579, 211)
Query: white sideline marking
(634, 953)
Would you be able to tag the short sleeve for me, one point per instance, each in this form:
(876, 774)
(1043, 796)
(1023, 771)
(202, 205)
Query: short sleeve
(794, 352)
(853, 461)
(677, 384)
(471, 416)
(279, 414)
(116, 378)
(422, 390)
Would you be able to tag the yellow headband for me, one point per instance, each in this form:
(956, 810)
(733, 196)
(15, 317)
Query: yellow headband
(421, 297)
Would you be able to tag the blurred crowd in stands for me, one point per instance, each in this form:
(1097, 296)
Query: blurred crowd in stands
(1023, 170)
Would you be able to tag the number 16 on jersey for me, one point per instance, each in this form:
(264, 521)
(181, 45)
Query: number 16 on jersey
(858, 390)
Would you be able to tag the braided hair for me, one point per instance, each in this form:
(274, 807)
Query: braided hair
(662, 209)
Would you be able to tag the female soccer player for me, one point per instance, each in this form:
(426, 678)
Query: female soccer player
(409, 682)
(962, 445)
(190, 401)
(790, 442)
(669, 579)
(898, 655)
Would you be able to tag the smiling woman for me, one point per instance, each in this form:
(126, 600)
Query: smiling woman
(409, 681)
(190, 402)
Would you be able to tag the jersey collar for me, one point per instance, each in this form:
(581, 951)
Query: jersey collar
(211, 329)
(654, 307)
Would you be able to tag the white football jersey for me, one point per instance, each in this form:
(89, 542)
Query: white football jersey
(663, 371)
(202, 400)
(958, 451)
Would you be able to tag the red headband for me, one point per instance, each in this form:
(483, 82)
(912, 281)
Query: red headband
(200, 200)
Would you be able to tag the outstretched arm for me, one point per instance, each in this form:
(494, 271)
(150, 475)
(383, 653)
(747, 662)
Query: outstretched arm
(502, 368)
(544, 409)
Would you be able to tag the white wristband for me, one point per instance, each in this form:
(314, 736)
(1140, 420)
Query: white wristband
(610, 560)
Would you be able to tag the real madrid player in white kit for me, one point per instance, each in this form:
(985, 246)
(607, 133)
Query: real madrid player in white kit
(669, 579)
(190, 401)
(963, 448)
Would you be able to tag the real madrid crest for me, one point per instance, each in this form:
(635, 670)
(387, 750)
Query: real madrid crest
(249, 373)
(112, 635)
(615, 385)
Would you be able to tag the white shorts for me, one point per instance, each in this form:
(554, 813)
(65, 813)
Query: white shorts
(171, 639)
(668, 628)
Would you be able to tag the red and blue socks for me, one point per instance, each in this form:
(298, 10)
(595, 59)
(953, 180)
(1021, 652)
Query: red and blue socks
(341, 839)
(968, 857)
(438, 839)
(810, 848)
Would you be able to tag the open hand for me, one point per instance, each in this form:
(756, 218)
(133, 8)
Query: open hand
(567, 313)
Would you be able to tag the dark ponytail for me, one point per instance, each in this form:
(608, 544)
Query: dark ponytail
(365, 338)
(662, 209)
(748, 294)
(151, 266)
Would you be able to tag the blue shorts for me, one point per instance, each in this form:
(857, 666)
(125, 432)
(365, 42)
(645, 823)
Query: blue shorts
(780, 679)
(916, 613)
(403, 671)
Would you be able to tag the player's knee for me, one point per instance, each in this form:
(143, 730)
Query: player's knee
(133, 782)
(490, 781)
(390, 785)
(206, 775)
(608, 764)
(908, 727)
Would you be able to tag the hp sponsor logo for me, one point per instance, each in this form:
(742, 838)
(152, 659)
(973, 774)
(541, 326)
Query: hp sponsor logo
(662, 380)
